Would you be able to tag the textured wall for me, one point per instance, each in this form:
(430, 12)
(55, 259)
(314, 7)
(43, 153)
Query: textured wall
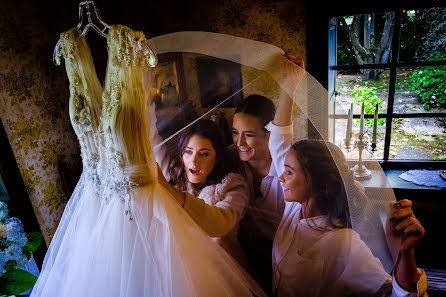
(33, 109)
(34, 92)
(281, 23)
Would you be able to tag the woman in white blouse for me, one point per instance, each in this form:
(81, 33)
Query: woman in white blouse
(201, 174)
(316, 253)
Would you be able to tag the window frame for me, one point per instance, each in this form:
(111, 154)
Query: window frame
(392, 66)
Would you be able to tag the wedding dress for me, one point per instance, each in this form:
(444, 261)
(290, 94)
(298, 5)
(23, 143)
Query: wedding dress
(122, 234)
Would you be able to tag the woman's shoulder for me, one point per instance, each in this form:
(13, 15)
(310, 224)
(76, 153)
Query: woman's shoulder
(350, 241)
(343, 233)
(232, 180)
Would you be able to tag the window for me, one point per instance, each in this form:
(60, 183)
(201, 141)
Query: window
(396, 59)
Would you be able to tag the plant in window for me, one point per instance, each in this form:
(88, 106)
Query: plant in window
(367, 95)
(16, 249)
(430, 84)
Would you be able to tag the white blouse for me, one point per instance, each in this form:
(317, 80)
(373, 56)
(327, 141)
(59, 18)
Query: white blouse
(310, 262)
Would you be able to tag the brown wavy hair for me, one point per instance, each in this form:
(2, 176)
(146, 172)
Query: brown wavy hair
(226, 161)
(325, 182)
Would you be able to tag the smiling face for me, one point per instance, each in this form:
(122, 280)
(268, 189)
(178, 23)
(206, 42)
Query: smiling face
(199, 159)
(250, 137)
(294, 182)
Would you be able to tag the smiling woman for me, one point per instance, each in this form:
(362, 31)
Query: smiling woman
(266, 205)
(250, 137)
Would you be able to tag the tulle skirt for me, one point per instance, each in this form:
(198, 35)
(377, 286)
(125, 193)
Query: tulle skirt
(155, 249)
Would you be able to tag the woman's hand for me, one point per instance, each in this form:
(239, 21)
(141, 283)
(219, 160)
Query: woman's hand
(404, 224)
(298, 62)
(406, 228)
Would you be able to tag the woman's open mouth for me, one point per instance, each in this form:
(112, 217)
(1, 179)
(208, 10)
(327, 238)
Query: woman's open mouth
(194, 171)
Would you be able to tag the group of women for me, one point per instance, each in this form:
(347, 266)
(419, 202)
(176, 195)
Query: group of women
(262, 216)
(281, 209)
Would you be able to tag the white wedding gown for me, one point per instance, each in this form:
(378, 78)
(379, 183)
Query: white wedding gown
(122, 234)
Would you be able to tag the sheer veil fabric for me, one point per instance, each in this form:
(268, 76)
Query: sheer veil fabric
(121, 233)
(258, 68)
(263, 69)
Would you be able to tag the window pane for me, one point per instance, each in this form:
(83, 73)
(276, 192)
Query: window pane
(423, 35)
(352, 152)
(359, 38)
(418, 139)
(420, 89)
(354, 87)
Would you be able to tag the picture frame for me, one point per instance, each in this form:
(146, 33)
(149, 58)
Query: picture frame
(173, 109)
(227, 74)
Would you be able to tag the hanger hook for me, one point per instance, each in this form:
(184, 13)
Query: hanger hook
(149, 53)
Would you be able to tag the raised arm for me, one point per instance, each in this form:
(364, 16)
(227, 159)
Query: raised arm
(285, 105)
(281, 128)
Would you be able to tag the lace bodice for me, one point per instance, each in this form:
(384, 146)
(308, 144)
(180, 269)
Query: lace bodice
(125, 118)
(113, 124)
(85, 95)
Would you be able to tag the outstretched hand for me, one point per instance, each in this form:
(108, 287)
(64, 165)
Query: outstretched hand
(404, 225)
(298, 62)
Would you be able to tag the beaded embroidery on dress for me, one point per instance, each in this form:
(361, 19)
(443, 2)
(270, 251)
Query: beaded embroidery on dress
(122, 234)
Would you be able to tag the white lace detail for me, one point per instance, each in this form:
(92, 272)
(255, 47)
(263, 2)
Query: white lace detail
(84, 96)
(96, 114)
(124, 92)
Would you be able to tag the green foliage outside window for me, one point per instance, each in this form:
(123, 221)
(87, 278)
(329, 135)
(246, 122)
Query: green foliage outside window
(430, 84)
(367, 95)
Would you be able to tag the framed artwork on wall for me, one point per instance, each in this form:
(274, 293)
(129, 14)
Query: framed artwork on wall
(226, 81)
(173, 109)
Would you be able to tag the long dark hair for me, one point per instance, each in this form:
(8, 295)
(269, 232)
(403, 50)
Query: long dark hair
(225, 162)
(324, 181)
(258, 106)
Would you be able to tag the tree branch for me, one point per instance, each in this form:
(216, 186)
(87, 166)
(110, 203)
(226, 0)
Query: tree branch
(386, 39)
(354, 37)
